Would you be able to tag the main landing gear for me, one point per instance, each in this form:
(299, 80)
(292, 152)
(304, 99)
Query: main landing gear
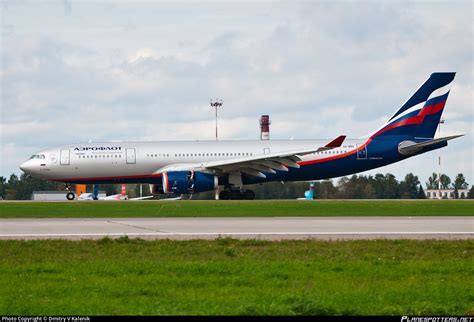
(236, 195)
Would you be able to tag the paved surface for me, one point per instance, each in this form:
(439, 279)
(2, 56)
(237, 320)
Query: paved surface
(276, 228)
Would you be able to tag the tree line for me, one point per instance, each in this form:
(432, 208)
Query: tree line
(379, 186)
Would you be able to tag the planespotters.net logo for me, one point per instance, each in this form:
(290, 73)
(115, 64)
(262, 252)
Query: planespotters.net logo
(437, 319)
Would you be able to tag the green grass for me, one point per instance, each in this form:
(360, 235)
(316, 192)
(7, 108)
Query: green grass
(267, 208)
(227, 276)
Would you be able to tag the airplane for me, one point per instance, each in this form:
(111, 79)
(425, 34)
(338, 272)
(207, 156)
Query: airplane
(94, 195)
(182, 167)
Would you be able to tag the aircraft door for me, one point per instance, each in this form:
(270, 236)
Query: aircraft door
(266, 150)
(64, 158)
(361, 151)
(130, 155)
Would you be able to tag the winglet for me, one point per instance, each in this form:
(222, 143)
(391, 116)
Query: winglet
(337, 142)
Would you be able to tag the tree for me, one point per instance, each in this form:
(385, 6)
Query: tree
(12, 187)
(432, 182)
(445, 181)
(379, 186)
(350, 188)
(369, 192)
(460, 182)
(409, 186)
(3, 187)
(392, 189)
(421, 193)
(27, 184)
(470, 194)
(325, 190)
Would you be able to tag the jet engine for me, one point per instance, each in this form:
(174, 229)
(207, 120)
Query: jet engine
(182, 182)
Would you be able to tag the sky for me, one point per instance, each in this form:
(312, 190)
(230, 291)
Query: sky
(74, 71)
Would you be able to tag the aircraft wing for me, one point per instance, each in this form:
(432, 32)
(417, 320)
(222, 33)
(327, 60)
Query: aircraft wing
(256, 165)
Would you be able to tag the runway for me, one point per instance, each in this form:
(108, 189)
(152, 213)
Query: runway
(275, 228)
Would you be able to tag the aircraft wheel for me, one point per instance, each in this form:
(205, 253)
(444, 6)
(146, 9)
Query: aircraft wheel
(235, 195)
(224, 195)
(70, 196)
(249, 195)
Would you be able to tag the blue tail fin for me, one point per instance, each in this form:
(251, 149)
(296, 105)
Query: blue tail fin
(420, 115)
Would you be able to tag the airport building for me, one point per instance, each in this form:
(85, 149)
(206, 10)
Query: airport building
(55, 195)
(445, 193)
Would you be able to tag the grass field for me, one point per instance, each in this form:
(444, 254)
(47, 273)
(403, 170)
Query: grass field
(236, 277)
(266, 208)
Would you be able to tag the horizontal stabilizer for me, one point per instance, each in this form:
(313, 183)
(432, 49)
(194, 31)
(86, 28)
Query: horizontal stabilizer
(410, 147)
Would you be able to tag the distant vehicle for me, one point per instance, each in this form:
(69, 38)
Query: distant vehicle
(183, 167)
(308, 194)
(94, 195)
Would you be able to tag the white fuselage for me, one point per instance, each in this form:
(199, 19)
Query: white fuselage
(143, 159)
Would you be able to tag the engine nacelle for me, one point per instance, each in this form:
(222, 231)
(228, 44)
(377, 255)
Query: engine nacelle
(180, 182)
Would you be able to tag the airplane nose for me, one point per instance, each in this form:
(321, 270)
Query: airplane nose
(25, 166)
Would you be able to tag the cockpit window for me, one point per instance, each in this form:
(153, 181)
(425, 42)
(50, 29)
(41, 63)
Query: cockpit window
(37, 156)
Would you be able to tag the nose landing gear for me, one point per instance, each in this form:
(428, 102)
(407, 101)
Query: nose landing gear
(70, 195)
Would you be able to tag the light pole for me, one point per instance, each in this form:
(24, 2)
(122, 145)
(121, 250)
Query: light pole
(439, 161)
(216, 103)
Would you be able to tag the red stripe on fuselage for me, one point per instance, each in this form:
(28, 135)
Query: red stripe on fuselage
(338, 156)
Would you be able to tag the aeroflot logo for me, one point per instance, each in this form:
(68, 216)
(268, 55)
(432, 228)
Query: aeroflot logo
(98, 148)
